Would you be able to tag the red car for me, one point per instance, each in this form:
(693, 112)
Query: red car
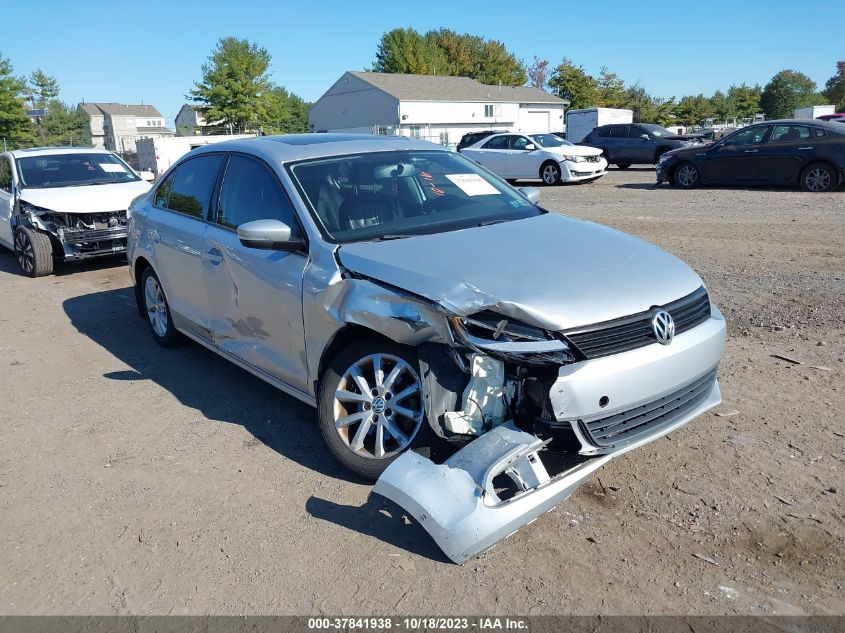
(832, 117)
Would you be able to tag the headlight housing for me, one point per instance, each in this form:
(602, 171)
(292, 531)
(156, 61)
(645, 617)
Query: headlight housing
(575, 159)
(508, 339)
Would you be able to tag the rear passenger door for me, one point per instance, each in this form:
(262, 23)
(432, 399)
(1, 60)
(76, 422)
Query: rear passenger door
(255, 295)
(787, 151)
(177, 225)
(494, 154)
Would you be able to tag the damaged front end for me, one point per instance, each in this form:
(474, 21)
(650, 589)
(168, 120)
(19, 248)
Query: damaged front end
(77, 236)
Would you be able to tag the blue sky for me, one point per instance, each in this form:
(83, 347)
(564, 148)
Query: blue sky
(153, 51)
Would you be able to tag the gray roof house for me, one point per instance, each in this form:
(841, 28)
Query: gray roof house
(432, 107)
(116, 126)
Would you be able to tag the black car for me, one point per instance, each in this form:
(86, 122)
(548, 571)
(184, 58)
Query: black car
(626, 144)
(808, 153)
(471, 138)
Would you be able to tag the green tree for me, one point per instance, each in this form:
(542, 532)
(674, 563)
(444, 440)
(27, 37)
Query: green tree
(234, 84)
(664, 110)
(640, 103)
(571, 82)
(610, 89)
(65, 125)
(834, 88)
(444, 52)
(744, 100)
(788, 90)
(693, 110)
(282, 112)
(42, 88)
(722, 106)
(15, 128)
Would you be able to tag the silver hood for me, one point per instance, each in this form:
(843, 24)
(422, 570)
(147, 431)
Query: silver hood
(550, 271)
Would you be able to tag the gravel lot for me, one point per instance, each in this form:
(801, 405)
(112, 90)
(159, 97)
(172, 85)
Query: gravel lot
(140, 480)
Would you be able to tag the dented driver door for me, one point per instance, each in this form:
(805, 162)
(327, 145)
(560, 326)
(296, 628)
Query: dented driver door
(255, 295)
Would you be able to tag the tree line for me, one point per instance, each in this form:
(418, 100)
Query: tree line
(445, 52)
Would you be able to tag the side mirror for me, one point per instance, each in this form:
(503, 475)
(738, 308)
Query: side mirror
(530, 147)
(147, 175)
(532, 193)
(270, 235)
(645, 137)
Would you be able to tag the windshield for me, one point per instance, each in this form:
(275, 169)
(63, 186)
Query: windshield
(658, 131)
(73, 170)
(388, 195)
(550, 140)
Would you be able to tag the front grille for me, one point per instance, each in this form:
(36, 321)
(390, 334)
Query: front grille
(623, 428)
(635, 331)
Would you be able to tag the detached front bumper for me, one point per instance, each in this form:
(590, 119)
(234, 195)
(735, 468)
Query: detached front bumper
(574, 172)
(654, 390)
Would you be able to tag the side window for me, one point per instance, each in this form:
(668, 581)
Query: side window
(818, 132)
(252, 192)
(193, 184)
(519, 142)
(497, 142)
(603, 132)
(635, 132)
(748, 136)
(789, 133)
(5, 175)
(619, 131)
(163, 191)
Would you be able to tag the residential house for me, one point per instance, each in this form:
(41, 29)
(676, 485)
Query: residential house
(116, 126)
(432, 107)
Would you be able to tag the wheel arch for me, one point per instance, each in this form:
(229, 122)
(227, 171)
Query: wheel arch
(139, 267)
(343, 338)
(827, 163)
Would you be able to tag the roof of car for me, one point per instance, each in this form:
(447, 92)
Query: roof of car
(292, 147)
(818, 122)
(53, 151)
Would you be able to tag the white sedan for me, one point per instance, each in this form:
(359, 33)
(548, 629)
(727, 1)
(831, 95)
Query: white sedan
(531, 156)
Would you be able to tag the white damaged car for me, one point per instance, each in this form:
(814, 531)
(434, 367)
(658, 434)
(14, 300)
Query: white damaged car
(62, 204)
(547, 157)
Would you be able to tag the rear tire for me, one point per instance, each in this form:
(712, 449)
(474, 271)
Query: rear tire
(686, 176)
(370, 406)
(818, 178)
(623, 165)
(34, 251)
(157, 310)
(550, 173)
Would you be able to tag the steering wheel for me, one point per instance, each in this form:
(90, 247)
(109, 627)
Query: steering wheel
(435, 205)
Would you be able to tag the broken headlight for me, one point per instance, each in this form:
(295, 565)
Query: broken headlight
(492, 334)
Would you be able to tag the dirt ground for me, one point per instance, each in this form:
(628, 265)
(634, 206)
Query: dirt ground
(140, 480)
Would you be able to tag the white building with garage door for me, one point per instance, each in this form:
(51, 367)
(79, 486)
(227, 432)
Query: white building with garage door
(432, 107)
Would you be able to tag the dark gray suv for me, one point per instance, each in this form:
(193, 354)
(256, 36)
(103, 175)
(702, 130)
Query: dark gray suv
(626, 144)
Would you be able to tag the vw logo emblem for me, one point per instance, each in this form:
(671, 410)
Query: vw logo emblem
(663, 327)
(379, 405)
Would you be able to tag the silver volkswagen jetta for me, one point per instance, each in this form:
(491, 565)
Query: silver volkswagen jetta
(410, 294)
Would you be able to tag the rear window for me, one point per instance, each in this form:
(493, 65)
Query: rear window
(189, 189)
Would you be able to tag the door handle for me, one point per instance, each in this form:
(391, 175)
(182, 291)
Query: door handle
(213, 256)
(805, 148)
(751, 151)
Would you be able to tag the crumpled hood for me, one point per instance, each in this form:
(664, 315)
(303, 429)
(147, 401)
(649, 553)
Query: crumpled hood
(574, 150)
(87, 199)
(551, 271)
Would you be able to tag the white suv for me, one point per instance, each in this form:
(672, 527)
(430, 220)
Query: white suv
(64, 204)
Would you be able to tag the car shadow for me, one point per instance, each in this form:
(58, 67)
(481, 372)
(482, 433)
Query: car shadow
(9, 264)
(381, 519)
(204, 381)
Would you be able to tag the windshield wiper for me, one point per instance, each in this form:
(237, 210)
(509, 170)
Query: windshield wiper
(390, 236)
(489, 222)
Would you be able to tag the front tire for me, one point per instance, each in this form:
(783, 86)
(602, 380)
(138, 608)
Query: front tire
(34, 251)
(370, 407)
(623, 165)
(818, 178)
(154, 303)
(550, 173)
(687, 176)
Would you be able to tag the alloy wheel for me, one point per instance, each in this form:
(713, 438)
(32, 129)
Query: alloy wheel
(817, 179)
(550, 174)
(156, 306)
(378, 408)
(25, 252)
(687, 176)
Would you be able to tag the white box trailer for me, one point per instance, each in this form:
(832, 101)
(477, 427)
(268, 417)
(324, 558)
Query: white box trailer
(814, 112)
(158, 154)
(579, 123)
